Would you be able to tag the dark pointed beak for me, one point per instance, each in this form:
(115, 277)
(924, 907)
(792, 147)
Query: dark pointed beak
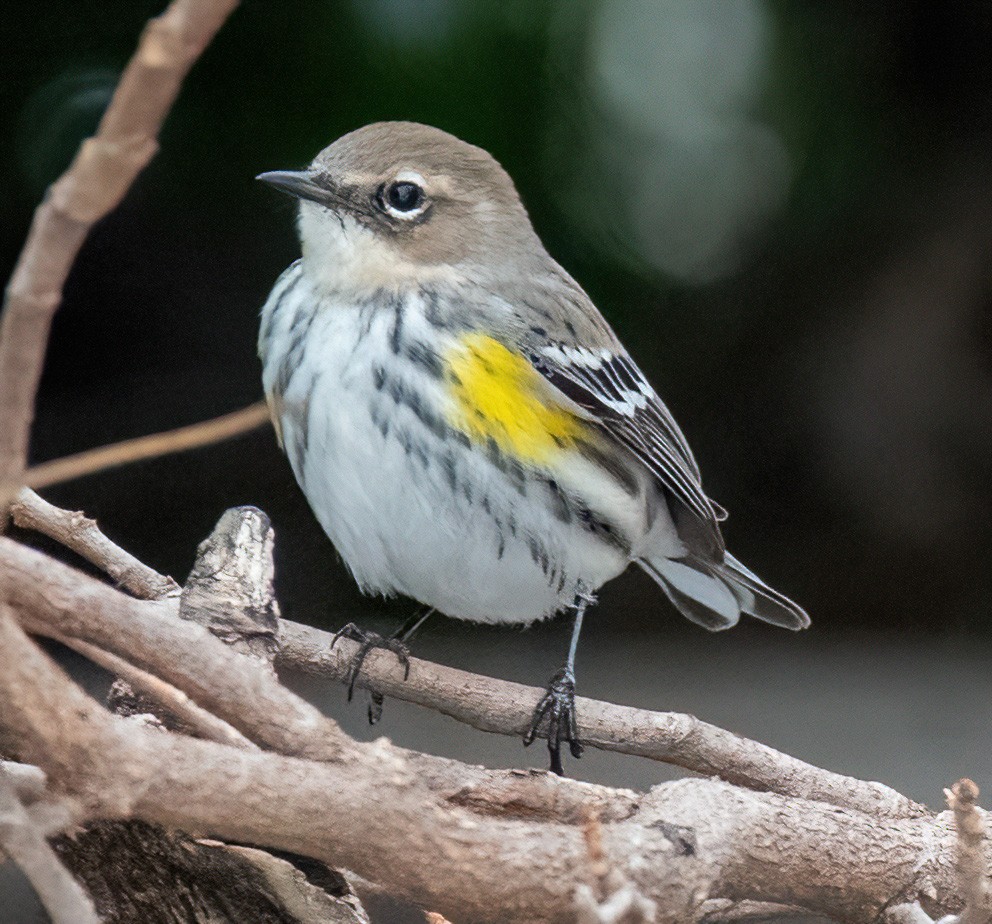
(300, 184)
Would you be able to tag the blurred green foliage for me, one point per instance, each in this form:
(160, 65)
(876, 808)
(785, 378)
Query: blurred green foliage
(799, 404)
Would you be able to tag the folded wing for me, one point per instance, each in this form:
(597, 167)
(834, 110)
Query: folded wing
(708, 586)
(614, 392)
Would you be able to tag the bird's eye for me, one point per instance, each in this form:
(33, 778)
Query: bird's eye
(404, 196)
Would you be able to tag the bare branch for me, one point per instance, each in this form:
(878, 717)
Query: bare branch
(81, 534)
(183, 439)
(94, 184)
(370, 812)
(50, 596)
(199, 721)
(500, 706)
(231, 585)
(384, 819)
(771, 834)
(505, 708)
(137, 869)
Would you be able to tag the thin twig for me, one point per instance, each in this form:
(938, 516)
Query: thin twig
(153, 446)
(25, 843)
(81, 534)
(96, 181)
(962, 799)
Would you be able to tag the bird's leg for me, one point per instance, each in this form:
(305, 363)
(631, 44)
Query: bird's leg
(367, 641)
(558, 702)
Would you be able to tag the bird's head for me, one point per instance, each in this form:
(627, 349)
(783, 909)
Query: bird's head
(398, 203)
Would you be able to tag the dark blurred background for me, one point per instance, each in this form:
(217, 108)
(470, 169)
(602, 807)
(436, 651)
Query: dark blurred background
(782, 207)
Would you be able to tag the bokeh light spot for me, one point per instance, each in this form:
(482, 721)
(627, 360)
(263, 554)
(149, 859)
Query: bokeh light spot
(55, 120)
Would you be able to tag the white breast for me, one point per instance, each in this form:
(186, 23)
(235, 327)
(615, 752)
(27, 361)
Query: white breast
(410, 507)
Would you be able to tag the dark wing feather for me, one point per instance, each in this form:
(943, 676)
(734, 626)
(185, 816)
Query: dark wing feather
(613, 391)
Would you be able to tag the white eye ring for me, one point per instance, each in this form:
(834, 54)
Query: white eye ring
(404, 197)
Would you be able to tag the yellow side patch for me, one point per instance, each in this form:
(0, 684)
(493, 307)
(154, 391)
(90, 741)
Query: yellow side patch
(498, 395)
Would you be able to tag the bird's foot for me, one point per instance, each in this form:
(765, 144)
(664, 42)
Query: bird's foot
(558, 706)
(367, 641)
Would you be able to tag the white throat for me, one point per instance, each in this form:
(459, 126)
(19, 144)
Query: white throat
(342, 255)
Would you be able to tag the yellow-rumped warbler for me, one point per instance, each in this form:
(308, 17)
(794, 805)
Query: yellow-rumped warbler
(466, 426)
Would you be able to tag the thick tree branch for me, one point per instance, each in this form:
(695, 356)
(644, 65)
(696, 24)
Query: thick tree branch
(48, 595)
(94, 184)
(674, 847)
(135, 869)
(505, 708)
(482, 702)
(370, 812)
(202, 723)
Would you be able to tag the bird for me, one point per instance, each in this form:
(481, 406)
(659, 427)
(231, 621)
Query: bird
(466, 426)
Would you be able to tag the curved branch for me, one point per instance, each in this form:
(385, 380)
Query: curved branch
(96, 181)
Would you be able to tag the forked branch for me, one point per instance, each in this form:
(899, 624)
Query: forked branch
(456, 845)
(485, 703)
(503, 844)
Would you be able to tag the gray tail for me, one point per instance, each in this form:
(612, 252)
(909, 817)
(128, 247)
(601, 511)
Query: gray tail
(714, 595)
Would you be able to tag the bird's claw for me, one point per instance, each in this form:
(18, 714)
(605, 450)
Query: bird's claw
(367, 641)
(558, 706)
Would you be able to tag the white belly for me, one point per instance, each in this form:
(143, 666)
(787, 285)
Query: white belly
(410, 509)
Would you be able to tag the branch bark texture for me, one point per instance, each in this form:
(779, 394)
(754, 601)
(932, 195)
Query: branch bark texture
(505, 708)
(465, 842)
(79, 533)
(23, 839)
(57, 598)
(369, 812)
